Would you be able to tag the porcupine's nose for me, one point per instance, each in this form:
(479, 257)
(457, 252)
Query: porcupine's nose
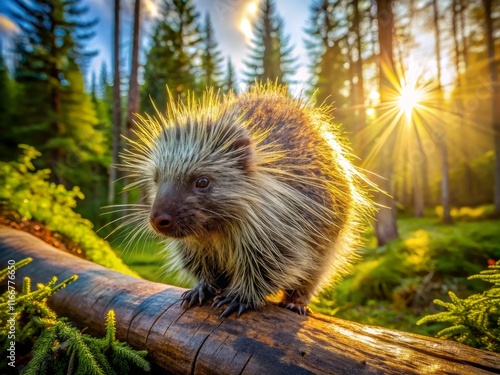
(163, 215)
(162, 222)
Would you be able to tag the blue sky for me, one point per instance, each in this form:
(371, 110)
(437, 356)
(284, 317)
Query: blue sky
(227, 17)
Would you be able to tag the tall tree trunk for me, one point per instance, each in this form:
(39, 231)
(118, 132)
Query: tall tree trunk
(117, 117)
(404, 189)
(133, 88)
(386, 226)
(463, 7)
(418, 209)
(442, 138)
(455, 13)
(456, 8)
(358, 71)
(55, 104)
(420, 179)
(352, 86)
(495, 96)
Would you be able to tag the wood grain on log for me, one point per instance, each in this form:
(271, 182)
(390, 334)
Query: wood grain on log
(269, 341)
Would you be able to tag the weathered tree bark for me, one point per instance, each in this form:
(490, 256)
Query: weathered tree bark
(269, 341)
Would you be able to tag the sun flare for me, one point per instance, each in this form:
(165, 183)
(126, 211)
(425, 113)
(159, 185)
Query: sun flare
(409, 98)
(152, 10)
(248, 16)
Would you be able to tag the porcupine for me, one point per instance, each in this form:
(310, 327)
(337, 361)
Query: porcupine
(256, 194)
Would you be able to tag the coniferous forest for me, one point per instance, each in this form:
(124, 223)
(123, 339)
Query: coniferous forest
(414, 85)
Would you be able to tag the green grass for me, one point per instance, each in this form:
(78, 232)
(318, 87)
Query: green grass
(145, 256)
(392, 286)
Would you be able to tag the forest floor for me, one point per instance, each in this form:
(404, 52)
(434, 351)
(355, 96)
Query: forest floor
(383, 297)
(13, 220)
(374, 294)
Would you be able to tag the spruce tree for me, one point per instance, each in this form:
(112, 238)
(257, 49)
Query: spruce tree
(271, 56)
(105, 95)
(211, 58)
(171, 59)
(53, 112)
(229, 83)
(325, 33)
(102, 110)
(105, 89)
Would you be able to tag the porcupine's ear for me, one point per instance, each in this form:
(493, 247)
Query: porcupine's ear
(243, 150)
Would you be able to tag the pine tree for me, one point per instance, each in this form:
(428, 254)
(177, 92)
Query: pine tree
(99, 97)
(271, 57)
(211, 58)
(93, 88)
(171, 59)
(230, 82)
(325, 33)
(104, 95)
(474, 320)
(53, 111)
(53, 345)
(105, 111)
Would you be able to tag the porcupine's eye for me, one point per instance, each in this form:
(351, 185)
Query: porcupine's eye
(202, 183)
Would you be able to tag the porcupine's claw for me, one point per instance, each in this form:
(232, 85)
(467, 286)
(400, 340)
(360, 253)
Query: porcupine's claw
(298, 308)
(234, 304)
(201, 292)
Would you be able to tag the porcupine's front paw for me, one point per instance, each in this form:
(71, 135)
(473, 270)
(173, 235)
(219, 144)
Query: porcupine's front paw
(296, 301)
(298, 308)
(233, 304)
(202, 292)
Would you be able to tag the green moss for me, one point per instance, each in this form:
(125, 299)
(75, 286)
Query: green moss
(29, 192)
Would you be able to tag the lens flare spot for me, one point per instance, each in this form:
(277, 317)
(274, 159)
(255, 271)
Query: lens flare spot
(409, 99)
(248, 16)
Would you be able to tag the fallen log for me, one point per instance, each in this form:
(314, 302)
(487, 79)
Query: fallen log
(269, 341)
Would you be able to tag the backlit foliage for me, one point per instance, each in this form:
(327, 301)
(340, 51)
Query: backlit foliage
(29, 192)
(475, 320)
(55, 345)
